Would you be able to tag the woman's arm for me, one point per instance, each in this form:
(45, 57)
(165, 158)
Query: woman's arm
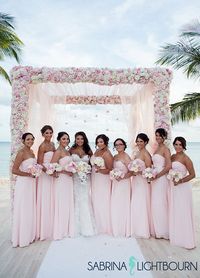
(40, 155)
(168, 163)
(15, 169)
(108, 158)
(191, 171)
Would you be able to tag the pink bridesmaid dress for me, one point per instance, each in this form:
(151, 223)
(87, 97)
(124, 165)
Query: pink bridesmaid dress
(181, 227)
(45, 202)
(160, 189)
(64, 204)
(24, 214)
(140, 205)
(101, 195)
(120, 203)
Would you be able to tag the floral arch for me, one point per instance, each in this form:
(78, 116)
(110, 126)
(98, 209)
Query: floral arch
(33, 87)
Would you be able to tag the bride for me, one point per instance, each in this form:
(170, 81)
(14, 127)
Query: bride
(84, 220)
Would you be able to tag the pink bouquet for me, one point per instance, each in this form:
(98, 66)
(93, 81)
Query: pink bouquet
(135, 166)
(115, 174)
(71, 167)
(53, 167)
(35, 170)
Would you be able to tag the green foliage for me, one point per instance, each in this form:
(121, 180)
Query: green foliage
(10, 44)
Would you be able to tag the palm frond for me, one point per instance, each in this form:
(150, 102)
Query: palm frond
(191, 29)
(184, 54)
(10, 43)
(187, 109)
(4, 74)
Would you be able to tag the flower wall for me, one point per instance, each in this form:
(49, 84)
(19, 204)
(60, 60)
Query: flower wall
(23, 76)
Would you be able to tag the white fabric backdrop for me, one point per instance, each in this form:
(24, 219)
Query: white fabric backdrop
(137, 104)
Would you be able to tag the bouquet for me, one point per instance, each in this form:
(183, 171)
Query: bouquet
(115, 174)
(99, 161)
(35, 170)
(71, 167)
(149, 173)
(83, 169)
(174, 175)
(135, 166)
(53, 167)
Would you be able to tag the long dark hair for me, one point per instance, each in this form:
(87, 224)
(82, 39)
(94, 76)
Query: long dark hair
(86, 146)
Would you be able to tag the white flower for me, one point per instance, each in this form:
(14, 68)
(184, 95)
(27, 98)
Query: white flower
(99, 161)
(174, 175)
(116, 173)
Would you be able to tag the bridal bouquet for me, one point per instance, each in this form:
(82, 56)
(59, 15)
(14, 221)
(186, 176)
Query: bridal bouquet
(53, 167)
(174, 175)
(83, 169)
(35, 170)
(135, 166)
(115, 174)
(71, 167)
(149, 173)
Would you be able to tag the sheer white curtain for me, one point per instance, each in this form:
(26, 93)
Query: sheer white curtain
(139, 109)
(137, 103)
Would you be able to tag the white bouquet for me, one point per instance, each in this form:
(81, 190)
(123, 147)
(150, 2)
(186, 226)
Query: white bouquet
(115, 174)
(35, 170)
(83, 169)
(99, 161)
(135, 166)
(53, 167)
(149, 173)
(174, 175)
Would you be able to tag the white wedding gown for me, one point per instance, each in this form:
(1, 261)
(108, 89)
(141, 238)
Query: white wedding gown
(84, 219)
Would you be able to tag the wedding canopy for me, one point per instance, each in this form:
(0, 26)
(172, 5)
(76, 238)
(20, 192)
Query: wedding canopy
(37, 92)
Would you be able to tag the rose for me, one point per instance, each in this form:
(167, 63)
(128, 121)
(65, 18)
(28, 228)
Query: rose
(35, 170)
(174, 175)
(116, 174)
(149, 173)
(71, 167)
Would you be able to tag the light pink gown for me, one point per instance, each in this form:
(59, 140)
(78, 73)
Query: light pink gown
(181, 231)
(24, 215)
(140, 206)
(45, 202)
(120, 203)
(101, 195)
(160, 189)
(64, 204)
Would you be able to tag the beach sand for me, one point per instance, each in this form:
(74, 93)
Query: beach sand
(25, 262)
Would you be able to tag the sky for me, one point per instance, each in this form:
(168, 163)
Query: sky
(104, 33)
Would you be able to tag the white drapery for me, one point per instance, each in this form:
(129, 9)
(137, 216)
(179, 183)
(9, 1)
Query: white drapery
(136, 100)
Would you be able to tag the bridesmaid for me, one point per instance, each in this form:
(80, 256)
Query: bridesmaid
(45, 195)
(121, 190)
(160, 187)
(181, 212)
(64, 200)
(101, 185)
(24, 215)
(140, 199)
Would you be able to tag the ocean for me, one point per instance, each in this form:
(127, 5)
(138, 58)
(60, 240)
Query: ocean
(193, 150)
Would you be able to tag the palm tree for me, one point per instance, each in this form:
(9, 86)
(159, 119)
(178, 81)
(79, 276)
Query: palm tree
(10, 44)
(185, 54)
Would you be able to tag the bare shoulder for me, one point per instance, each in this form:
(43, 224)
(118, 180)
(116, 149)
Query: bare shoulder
(42, 147)
(147, 154)
(107, 154)
(187, 159)
(166, 150)
(127, 157)
(173, 157)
